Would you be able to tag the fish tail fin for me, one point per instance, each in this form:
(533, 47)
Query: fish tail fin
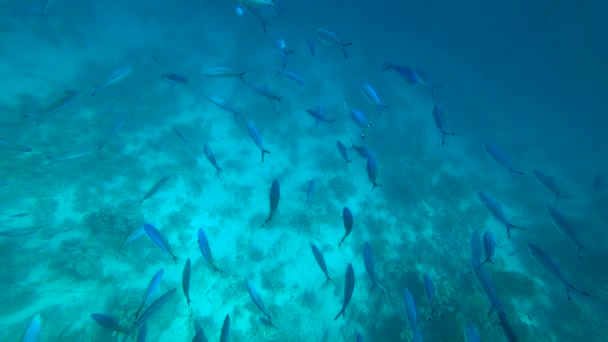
(344, 51)
(375, 185)
(572, 288)
(478, 266)
(278, 72)
(267, 220)
(242, 78)
(219, 170)
(511, 226)
(264, 151)
(329, 280)
(339, 314)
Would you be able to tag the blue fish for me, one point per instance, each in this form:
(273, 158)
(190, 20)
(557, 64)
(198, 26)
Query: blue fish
(347, 218)
(487, 286)
(550, 266)
(550, 183)
(497, 212)
(186, 280)
(359, 118)
(108, 322)
(225, 337)
(257, 300)
(371, 95)
(255, 135)
(368, 259)
(176, 78)
(68, 97)
(343, 151)
(199, 333)
(33, 330)
(429, 289)
(438, 117)
(312, 186)
(267, 93)
(500, 158)
(329, 38)
(321, 261)
(218, 101)
(408, 74)
(117, 76)
(275, 196)
(136, 234)
(565, 227)
(153, 308)
(150, 291)
(489, 246)
(211, 159)
(372, 170)
(203, 244)
(410, 312)
(363, 152)
(143, 333)
(279, 44)
(349, 286)
(159, 239)
(291, 75)
(507, 328)
(319, 114)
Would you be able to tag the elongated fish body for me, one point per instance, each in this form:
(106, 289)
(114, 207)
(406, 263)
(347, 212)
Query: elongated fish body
(347, 218)
(409, 307)
(154, 307)
(108, 322)
(143, 333)
(408, 74)
(211, 159)
(225, 337)
(507, 328)
(257, 300)
(349, 286)
(218, 101)
(136, 234)
(186, 280)
(33, 330)
(363, 152)
(500, 158)
(176, 78)
(489, 289)
(371, 95)
(475, 250)
(224, 72)
(550, 183)
(13, 146)
(497, 212)
(150, 291)
(267, 93)
(321, 261)
(199, 333)
(203, 245)
(275, 196)
(550, 266)
(429, 289)
(343, 151)
(360, 119)
(368, 260)
(438, 117)
(372, 171)
(312, 186)
(426, 79)
(564, 226)
(470, 334)
(117, 76)
(489, 246)
(319, 114)
(161, 182)
(68, 97)
(328, 38)
(292, 76)
(255, 135)
(159, 239)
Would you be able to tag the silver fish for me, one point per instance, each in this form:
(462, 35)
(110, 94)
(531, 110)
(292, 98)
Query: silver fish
(117, 76)
(489, 246)
(291, 75)
(371, 95)
(222, 104)
(224, 72)
(319, 114)
(550, 183)
(255, 135)
(68, 97)
(497, 212)
(500, 158)
(328, 38)
(257, 300)
(438, 117)
(565, 227)
(360, 119)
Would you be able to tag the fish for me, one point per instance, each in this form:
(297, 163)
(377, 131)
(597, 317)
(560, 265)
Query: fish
(161, 182)
(19, 215)
(550, 183)
(68, 97)
(136, 234)
(470, 335)
(564, 226)
(429, 289)
(176, 78)
(211, 159)
(267, 93)
(266, 322)
(21, 231)
(347, 218)
(291, 75)
(408, 74)
(53, 159)
(489, 246)
(224, 72)
(183, 138)
(199, 333)
(371, 95)
(279, 44)
(475, 249)
(255, 297)
(159, 239)
(218, 101)
(349, 286)
(256, 12)
(117, 76)
(321, 261)
(500, 158)
(13, 146)
(186, 280)
(368, 258)
(488, 288)
(225, 337)
(410, 311)
(319, 114)
(33, 330)
(438, 117)
(425, 78)
(598, 181)
(507, 328)
(203, 244)
(109, 322)
(363, 152)
(257, 4)
(312, 186)
(311, 46)
(343, 151)
(153, 308)
(372, 170)
(329, 38)
(255, 135)
(497, 212)
(150, 291)
(359, 118)
(550, 266)
(143, 333)
(275, 196)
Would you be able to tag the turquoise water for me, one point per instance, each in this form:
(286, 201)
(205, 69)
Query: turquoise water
(527, 78)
